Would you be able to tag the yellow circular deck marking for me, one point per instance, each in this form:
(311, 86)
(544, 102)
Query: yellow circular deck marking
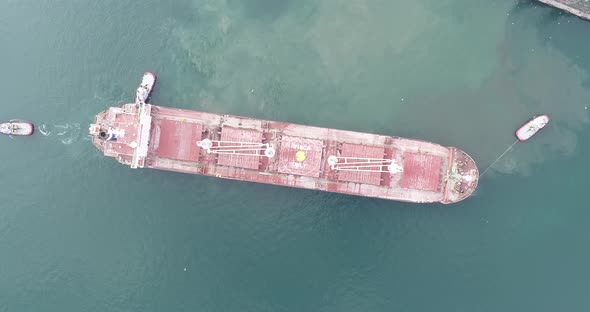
(300, 156)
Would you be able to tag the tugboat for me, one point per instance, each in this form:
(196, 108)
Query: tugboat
(531, 127)
(16, 128)
(145, 88)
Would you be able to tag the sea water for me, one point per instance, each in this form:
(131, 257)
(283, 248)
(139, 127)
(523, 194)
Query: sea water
(80, 232)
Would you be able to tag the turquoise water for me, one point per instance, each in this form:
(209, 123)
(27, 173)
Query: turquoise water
(79, 232)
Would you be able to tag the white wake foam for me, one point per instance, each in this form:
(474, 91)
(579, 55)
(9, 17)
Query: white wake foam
(66, 133)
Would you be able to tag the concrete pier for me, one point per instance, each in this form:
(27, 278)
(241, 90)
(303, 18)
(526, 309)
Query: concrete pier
(580, 8)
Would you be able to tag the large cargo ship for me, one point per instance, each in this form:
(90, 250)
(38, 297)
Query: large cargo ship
(224, 146)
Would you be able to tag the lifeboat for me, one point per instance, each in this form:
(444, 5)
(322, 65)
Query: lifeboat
(145, 88)
(531, 127)
(16, 128)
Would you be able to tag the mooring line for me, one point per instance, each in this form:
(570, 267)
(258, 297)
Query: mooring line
(495, 161)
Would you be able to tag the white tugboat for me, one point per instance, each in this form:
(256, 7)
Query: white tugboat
(145, 88)
(16, 128)
(531, 127)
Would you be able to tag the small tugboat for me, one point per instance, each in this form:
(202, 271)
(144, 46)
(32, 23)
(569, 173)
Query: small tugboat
(16, 128)
(145, 88)
(531, 127)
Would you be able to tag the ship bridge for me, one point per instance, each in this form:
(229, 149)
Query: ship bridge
(123, 133)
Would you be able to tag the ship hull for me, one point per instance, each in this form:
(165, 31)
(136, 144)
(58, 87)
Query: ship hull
(16, 128)
(531, 127)
(279, 153)
(144, 91)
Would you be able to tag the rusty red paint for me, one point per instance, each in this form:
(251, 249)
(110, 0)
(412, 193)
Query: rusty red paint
(309, 165)
(421, 172)
(230, 134)
(126, 126)
(430, 172)
(175, 139)
(362, 151)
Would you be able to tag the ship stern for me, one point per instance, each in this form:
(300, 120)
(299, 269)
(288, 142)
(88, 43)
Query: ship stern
(123, 133)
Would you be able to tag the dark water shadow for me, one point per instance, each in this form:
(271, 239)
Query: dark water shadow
(559, 30)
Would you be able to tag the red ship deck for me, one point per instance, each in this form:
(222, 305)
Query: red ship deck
(293, 155)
